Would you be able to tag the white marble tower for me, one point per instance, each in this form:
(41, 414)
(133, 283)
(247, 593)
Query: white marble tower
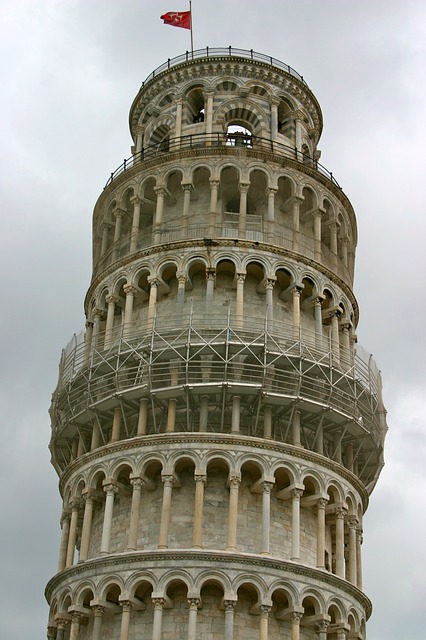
(216, 429)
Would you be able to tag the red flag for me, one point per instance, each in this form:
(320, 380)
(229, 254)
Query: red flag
(177, 19)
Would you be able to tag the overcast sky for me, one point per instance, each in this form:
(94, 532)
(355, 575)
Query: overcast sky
(69, 72)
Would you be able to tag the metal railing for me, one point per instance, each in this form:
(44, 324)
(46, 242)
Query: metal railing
(220, 52)
(231, 141)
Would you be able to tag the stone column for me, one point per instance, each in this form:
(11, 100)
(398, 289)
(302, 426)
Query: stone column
(269, 286)
(158, 221)
(61, 624)
(98, 612)
(274, 102)
(112, 301)
(134, 234)
(340, 542)
(168, 481)
(210, 280)
(208, 99)
(214, 187)
(88, 341)
(345, 242)
(345, 343)
(295, 523)
(76, 617)
(139, 130)
(235, 424)
(263, 623)
(158, 618)
(358, 557)
(126, 608)
(296, 222)
(110, 490)
(181, 278)
(75, 507)
(97, 317)
(178, 121)
(317, 304)
(295, 618)
(51, 632)
(352, 572)
(333, 226)
(319, 438)
(234, 483)
(321, 504)
(298, 117)
(89, 500)
(118, 214)
(242, 219)
(335, 348)
(267, 421)
(193, 603)
(130, 292)
(296, 291)
(239, 301)
(317, 234)
(204, 413)
(65, 530)
(266, 518)
(153, 292)
(143, 416)
(229, 619)
(270, 218)
(106, 226)
(200, 481)
(321, 629)
(137, 484)
(116, 425)
(295, 429)
(187, 189)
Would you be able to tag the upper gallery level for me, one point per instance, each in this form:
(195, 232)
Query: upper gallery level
(225, 146)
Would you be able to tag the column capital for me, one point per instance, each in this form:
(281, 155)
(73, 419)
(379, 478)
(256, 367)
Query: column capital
(340, 512)
(65, 516)
(267, 486)
(234, 480)
(210, 273)
(98, 313)
(168, 479)
(241, 276)
(158, 603)
(154, 281)
(264, 610)
(75, 503)
(187, 186)
(137, 483)
(182, 278)
(271, 191)
(88, 324)
(322, 503)
(61, 620)
(200, 477)
(136, 200)
(127, 605)
(296, 289)
(318, 300)
(296, 616)
(106, 225)
(352, 522)
(273, 101)
(98, 610)
(194, 603)
(270, 282)
(118, 213)
(130, 289)
(160, 190)
(296, 493)
(110, 488)
(214, 183)
(244, 187)
(322, 626)
(89, 494)
(229, 605)
(111, 299)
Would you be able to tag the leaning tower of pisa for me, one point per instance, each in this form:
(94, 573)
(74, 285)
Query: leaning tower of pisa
(216, 429)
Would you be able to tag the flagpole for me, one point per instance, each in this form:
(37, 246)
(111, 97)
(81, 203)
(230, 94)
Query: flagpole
(192, 38)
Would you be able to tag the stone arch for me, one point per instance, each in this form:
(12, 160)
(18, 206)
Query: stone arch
(228, 85)
(122, 468)
(336, 610)
(245, 113)
(140, 577)
(158, 133)
(96, 476)
(312, 601)
(213, 575)
(335, 492)
(194, 106)
(84, 593)
(250, 593)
